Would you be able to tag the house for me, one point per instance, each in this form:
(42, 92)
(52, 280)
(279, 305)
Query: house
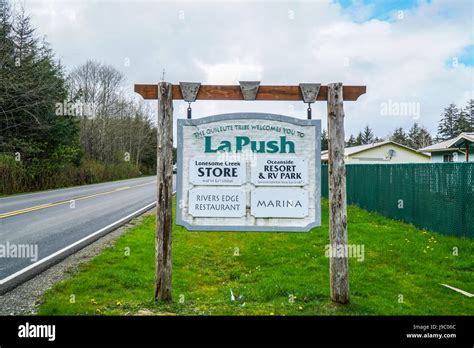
(459, 149)
(380, 152)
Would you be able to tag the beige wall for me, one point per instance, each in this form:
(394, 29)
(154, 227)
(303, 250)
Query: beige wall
(380, 155)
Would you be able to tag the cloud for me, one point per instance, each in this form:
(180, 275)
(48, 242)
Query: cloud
(230, 73)
(406, 59)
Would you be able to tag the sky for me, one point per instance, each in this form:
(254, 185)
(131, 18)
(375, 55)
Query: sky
(415, 56)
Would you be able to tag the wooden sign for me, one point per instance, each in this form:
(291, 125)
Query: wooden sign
(199, 180)
(249, 172)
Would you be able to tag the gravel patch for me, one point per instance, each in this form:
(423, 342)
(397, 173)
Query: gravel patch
(25, 299)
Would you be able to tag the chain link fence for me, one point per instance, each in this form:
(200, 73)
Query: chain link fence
(433, 196)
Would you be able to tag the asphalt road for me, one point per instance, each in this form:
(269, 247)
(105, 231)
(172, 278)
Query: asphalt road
(53, 220)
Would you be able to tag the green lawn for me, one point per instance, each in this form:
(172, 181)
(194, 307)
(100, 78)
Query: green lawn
(275, 273)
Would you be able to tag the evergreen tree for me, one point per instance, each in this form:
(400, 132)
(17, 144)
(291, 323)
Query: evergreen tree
(378, 140)
(31, 84)
(359, 140)
(465, 120)
(423, 139)
(324, 140)
(447, 127)
(25, 40)
(6, 42)
(412, 135)
(6, 57)
(399, 136)
(6, 78)
(367, 135)
(469, 110)
(418, 137)
(463, 123)
(351, 142)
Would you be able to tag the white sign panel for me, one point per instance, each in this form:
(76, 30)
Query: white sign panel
(215, 171)
(217, 202)
(279, 202)
(249, 172)
(280, 171)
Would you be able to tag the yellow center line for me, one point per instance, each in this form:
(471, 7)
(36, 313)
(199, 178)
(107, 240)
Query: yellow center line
(49, 205)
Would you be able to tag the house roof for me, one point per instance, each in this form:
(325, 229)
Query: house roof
(451, 144)
(349, 151)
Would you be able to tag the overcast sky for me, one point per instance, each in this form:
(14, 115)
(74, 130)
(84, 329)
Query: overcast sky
(405, 51)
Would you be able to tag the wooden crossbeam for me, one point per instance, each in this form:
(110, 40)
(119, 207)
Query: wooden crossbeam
(233, 92)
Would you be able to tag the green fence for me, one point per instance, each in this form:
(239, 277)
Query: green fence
(433, 196)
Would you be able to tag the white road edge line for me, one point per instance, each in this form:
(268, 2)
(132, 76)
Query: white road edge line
(21, 195)
(49, 257)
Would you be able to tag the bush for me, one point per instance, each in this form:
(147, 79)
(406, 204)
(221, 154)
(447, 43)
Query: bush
(17, 177)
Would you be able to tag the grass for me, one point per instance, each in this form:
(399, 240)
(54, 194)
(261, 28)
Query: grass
(274, 273)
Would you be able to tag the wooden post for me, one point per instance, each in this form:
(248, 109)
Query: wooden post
(164, 217)
(338, 266)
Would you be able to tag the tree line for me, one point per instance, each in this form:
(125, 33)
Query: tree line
(59, 129)
(454, 121)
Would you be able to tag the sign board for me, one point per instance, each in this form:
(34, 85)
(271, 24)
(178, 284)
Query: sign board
(283, 171)
(212, 171)
(279, 202)
(249, 172)
(216, 202)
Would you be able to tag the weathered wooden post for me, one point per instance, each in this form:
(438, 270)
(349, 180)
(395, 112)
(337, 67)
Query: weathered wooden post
(164, 217)
(338, 266)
